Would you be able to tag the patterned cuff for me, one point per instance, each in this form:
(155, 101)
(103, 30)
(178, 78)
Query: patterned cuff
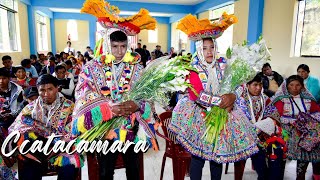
(208, 99)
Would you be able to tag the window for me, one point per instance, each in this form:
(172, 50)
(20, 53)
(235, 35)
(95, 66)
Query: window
(153, 36)
(307, 36)
(225, 41)
(42, 34)
(8, 33)
(183, 41)
(72, 30)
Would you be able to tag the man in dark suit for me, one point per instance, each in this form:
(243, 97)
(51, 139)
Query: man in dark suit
(142, 54)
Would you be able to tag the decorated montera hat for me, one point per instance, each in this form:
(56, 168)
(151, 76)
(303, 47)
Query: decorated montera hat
(200, 29)
(108, 17)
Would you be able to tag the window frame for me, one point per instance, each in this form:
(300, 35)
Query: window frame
(213, 18)
(299, 31)
(42, 32)
(10, 28)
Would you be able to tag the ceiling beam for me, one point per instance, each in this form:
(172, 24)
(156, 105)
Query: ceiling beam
(124, 6)
(176, 17)
(44, 11)
(210, 4)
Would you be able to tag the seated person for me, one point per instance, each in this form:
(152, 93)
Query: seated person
(49, 69)
(22, 79)
(68, 74)
(10, 98)
(311, 83)
(71, 69)
(35, 63)
(66, 84)
(40, 119)
(271, 80)
(7, 63)
(30, 94)
(58, 59)
(30, 69)
(43, 59)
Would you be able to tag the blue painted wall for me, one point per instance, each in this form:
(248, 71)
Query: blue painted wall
(53, 36)
(211, 4)
(124, 6)
(162, 20)
(176, 17)
(176, 11)
(32, 29)
(255, 20)
(44, 11)
(169, 38)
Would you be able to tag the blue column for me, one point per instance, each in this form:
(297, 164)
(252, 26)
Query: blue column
(169, 37)
(92, 32)
(255, 20)
(192, 47)
(32, 29)
(53, 36)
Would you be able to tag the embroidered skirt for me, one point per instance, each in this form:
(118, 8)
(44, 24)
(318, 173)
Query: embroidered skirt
(5, 172)
(295, 152)
(236, 142)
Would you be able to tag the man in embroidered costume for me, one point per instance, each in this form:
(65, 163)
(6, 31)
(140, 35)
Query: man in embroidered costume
(10, 98)
(104, 81)
(187, 121)
(50, 113)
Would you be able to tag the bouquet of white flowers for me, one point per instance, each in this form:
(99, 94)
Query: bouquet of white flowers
(243, 63)
(157, 80)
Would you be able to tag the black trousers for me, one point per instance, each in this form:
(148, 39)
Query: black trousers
(107, 164)
(33, 170)
(302, 169)
(197, 166)
(274, 170)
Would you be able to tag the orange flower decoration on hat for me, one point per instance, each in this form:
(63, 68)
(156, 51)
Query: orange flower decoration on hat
(199, 29)
(108, 16)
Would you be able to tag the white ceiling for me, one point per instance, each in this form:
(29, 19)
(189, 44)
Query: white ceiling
(124, 13)
(129, 13)
(181, 2)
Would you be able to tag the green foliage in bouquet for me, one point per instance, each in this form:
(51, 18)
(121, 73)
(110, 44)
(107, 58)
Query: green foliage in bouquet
(159, 78)
(244, 62)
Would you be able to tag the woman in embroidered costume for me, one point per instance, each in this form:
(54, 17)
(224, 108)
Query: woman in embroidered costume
(50, 113)
(241, 135)
(294, 107)
(187, 121)
(104, 81)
